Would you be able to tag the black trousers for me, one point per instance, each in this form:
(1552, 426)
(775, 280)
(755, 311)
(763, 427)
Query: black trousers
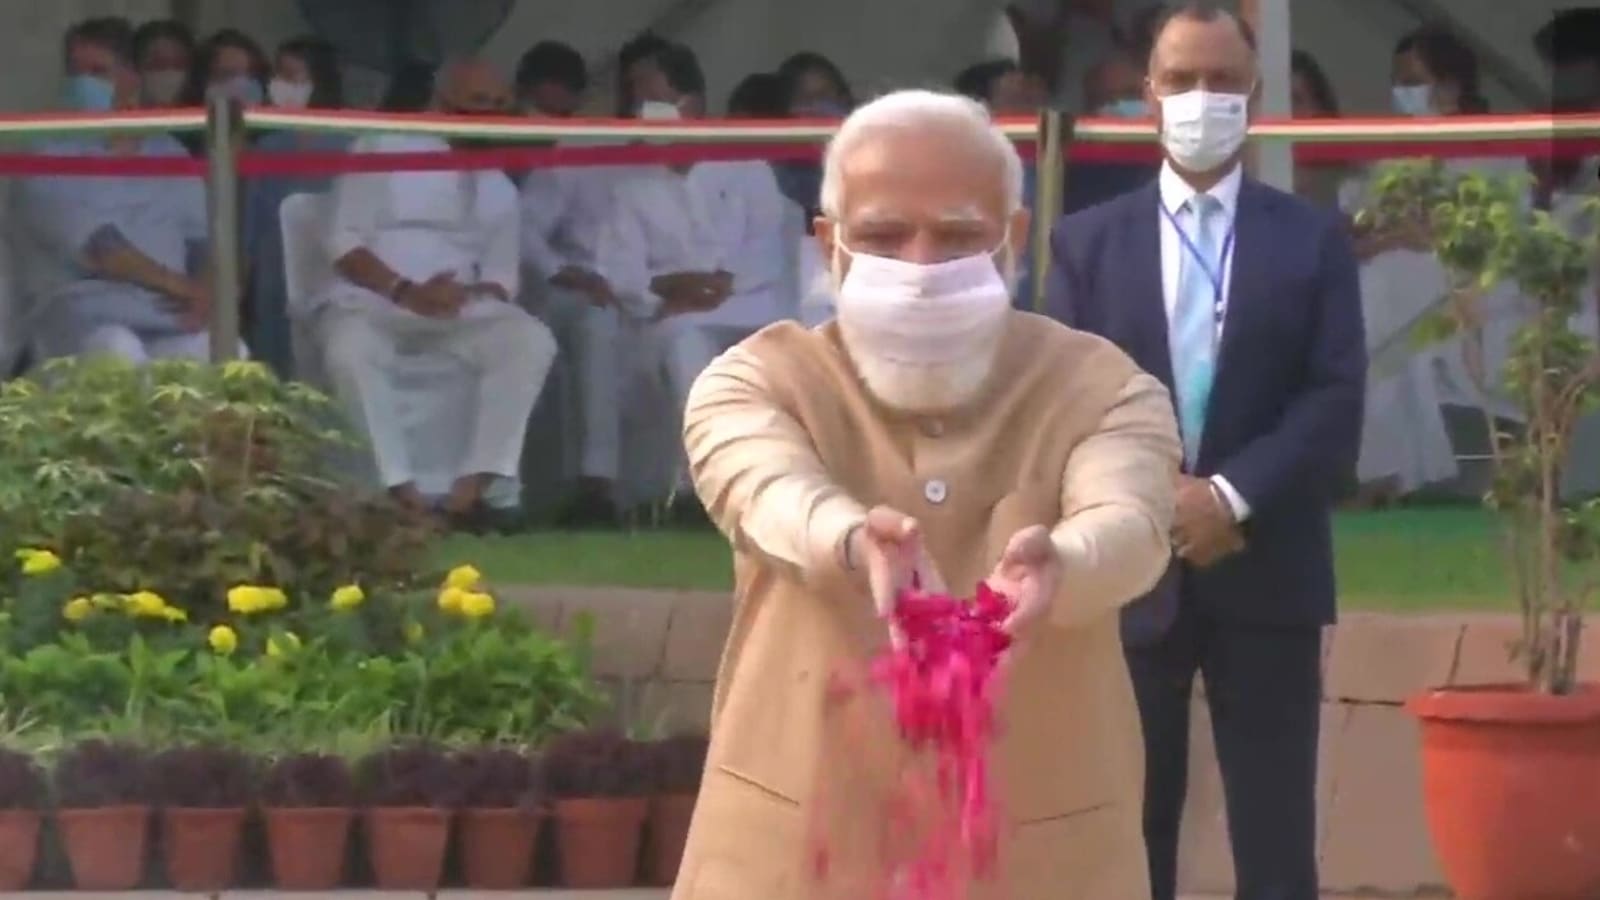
(1264, 690)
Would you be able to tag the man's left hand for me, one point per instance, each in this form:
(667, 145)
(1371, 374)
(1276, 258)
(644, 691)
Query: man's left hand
(1203, 528)
(489, 289)
(1027, 574)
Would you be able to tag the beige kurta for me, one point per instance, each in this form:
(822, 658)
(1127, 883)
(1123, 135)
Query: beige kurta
(787, 451)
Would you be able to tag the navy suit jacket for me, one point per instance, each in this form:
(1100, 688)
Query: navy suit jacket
(1284, 421)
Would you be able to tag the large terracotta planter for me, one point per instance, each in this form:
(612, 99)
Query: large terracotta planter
(599, 840)
(1511, 789)
(669, 832)
(19, 847)
(105, 847)
(406, 846)
(308, 847)
(497, 847)
(201, 847)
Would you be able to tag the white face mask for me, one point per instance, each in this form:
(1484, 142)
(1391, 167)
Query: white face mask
(1413, 99)
(286, 94)
(161, 87)
(923, 336)
(1202, 130)
(659, 111)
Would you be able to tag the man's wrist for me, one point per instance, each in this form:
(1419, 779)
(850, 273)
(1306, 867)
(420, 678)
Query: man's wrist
(847, 551)
(399, 288)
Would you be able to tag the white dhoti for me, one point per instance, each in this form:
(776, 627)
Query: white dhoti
(376, 361)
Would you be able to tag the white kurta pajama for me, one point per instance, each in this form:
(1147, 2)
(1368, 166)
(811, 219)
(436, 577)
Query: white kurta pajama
(717, 216)
(422, 224)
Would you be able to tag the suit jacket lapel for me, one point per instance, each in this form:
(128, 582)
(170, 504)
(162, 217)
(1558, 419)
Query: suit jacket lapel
(1251, 265)
(1149, 312)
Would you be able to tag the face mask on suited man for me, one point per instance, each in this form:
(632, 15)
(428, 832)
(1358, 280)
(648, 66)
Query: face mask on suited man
(1201, 130)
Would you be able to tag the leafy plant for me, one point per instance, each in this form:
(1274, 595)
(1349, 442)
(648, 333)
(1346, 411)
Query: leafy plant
(497, 778)
(194, 477)
(411, 774)
(597, 763)
(22, 783)
(309, 780)
(204, 776)
(677, 764)
(95, 774)
(1483, 235)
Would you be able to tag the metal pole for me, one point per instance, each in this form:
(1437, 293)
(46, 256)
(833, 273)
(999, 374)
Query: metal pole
(222, 198)
(1274, 159)
(1048, 185)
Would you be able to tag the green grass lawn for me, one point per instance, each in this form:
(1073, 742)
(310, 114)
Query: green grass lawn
(1410, 560)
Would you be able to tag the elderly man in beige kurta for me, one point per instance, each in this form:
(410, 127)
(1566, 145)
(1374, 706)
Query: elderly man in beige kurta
(927, 429)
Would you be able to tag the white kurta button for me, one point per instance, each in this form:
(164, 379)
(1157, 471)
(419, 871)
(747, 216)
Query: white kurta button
(935, 491)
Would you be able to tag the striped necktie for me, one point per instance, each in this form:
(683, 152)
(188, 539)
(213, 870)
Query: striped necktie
(1193, 336)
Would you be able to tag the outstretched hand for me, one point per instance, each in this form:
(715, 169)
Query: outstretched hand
(887, 547)
(1028, 573)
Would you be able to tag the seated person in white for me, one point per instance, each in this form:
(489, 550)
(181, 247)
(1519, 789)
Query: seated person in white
(428, 263)
(111, 261)
(700, 252)
(564, 210)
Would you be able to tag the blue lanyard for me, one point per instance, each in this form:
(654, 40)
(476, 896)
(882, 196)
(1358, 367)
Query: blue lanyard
(1219, 305)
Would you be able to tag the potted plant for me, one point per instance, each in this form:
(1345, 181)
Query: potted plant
(409, 792)
(499, 817)
(205, 792)
(1511, 771)
(595, 782)
(675, 767)
(103, 791)
(308, 801)
(22, 793)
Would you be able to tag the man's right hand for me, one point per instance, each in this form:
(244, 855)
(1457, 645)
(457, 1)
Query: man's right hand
(887, 549)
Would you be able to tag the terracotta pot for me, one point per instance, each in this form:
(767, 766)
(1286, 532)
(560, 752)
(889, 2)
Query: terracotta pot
(599, 840)
(105, 847)
(497, 848)
(1510, 782)
(669, 831)
(406, 847)
(19, 847)
(308, 847)
(201, 847)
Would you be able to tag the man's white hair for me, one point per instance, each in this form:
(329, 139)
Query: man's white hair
(910, 111)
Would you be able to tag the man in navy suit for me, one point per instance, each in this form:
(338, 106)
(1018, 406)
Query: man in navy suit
(1245, 301)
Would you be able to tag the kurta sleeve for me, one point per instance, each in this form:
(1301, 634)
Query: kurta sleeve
(623, 257)
(758, 475)
(502, 254)
(357, 203)
(544, 206)
(1117, 498)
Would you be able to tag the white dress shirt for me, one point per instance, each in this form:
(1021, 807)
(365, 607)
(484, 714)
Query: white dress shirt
(1175, 196)
(718, 216)
(564, 211)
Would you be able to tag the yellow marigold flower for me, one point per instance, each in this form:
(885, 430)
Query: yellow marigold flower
(247, 599)
(77, 609)
(413, 632)
(223, 639)
(348, 597)
(463, 578)
(145, 605)
(450, 599)
(109, 601)
(477, 605)
(174, 615)
(38, 562)
(289, 644)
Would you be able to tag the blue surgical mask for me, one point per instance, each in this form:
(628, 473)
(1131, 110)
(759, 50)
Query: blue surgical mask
(1126, 108)
(242, 88)
(89, 93)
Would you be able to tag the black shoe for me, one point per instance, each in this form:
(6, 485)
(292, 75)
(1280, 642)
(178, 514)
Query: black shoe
(591, 508)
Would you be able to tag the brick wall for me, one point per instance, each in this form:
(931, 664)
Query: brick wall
(659, 651)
